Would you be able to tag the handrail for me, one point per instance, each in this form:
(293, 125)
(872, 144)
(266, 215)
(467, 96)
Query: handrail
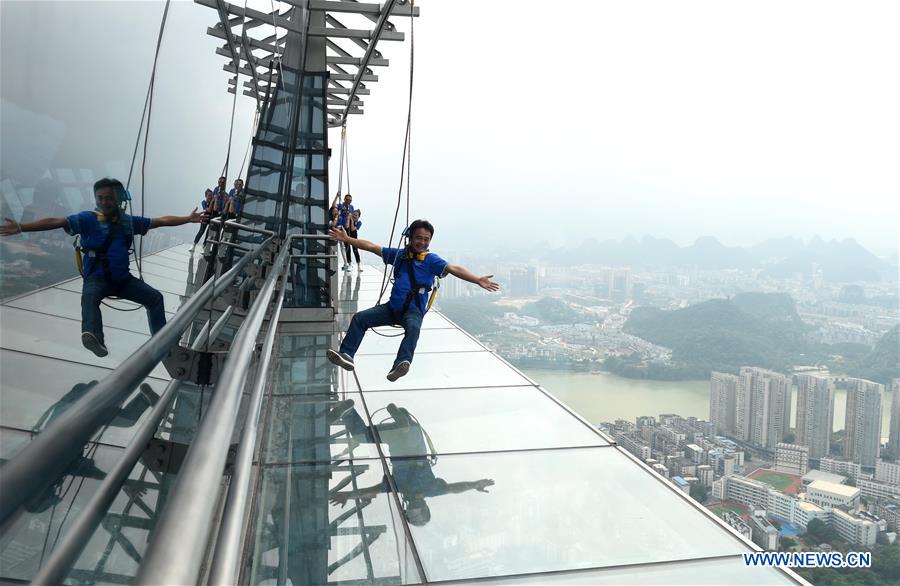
(236, 224)
(180, 539)
(76, 538)
(43, 460)
(227, 556)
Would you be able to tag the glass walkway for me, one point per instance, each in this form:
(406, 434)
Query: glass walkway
(464, 470)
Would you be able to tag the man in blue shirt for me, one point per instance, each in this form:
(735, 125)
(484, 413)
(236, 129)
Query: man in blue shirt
(414, 271)
(106, 238)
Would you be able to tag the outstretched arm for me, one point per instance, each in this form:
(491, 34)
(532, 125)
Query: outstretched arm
(466, 275)
(479, 485)
(194, 217)
(11, 226)
(341, 236)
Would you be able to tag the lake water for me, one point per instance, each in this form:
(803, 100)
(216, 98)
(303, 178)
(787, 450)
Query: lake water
(607, 397)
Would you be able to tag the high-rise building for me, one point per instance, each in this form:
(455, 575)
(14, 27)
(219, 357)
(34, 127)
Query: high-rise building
(766, 405)
(723, 390)
(862, 423)
(815, 413)
(523, 282)
(894, 430)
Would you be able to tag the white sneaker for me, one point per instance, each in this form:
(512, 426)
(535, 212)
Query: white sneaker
(339, 359)
(360, 268)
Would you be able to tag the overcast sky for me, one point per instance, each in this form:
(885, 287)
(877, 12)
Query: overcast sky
(531, 120)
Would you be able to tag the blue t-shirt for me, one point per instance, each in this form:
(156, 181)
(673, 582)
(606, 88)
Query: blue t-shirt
(94, 230)
(424, 272)
(343, 211)
(358, 224)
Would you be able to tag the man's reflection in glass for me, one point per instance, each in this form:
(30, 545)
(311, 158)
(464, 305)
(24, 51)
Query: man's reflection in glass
(413, 475)
(84, 466)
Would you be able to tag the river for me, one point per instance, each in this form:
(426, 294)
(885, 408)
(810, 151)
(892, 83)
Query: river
(607, 397)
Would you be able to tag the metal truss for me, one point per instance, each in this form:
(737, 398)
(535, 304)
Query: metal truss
(255, 40)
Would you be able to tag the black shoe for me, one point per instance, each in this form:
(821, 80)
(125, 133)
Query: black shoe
(399, 370)
(94, 344)
(340, 409)
(149, 394)
(340, 359)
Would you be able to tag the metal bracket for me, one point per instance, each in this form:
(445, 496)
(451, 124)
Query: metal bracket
(196, 366)
(166, 456)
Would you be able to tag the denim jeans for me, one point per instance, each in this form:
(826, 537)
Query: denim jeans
(383, 315)
(96, 288)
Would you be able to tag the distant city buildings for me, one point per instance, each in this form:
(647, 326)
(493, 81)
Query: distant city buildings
(791, 458)
(766, 399)
(862, 423)
(723, 391)
(893, 443)
(815, 413)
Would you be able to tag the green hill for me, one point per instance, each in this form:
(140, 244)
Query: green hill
(883, 363)
(724, 334)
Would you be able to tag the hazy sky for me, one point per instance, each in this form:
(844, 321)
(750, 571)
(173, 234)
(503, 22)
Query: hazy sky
(531, 120)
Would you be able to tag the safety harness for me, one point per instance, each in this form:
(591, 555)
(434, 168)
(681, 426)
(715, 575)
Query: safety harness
(100, 253)
(416, 289)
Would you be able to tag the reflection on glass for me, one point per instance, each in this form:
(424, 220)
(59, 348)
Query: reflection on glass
(310, 428)
(560, 510)
(494, 419)
(413, 476)
(301, 538)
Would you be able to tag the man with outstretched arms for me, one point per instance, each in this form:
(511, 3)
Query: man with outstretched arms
(415, 269)
(107, 234)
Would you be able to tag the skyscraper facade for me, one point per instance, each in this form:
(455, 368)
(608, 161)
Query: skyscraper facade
(862, 423)
(815, 413)
(766, 397)
(723, 391)
(894, 430)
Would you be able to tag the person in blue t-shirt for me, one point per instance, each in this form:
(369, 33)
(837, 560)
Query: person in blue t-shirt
(205, 204)
(106, 239)
(415, 268)
(235, 200)
(345, 217)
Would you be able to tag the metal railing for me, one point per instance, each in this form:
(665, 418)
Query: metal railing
(43, 460)
(180, 539)
(76, 538)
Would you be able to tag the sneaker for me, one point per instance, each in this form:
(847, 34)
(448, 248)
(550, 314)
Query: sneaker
(93, 343)
(360, 268)
(339, 410)
(340, 359)
(346, 267)
(149, 394)
(399, 370)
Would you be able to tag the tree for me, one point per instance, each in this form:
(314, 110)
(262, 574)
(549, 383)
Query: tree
(819, 532)
(787, 543)
(699, 493)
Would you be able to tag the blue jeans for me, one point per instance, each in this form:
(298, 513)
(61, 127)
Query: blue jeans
(383, 315)
(96, 288)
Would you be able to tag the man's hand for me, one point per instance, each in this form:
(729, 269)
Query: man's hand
(196, 217)
(486, 283)
(338, 234)
(481, 485)
(10, 227)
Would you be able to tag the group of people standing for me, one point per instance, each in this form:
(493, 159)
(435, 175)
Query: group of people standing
(344, 215)
(222, 202)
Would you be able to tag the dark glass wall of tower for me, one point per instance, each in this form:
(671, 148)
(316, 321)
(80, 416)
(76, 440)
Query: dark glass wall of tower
(287, 182)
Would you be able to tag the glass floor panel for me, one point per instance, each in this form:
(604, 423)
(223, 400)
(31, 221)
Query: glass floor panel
(67, 304)
(328, 524)
(713, 572)
(416, 423)
(37, 389)
(525, 512)
(312, 428)
(437, 371)
(167, 262)
(58, 337)
(305, 374)
(430, 340)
